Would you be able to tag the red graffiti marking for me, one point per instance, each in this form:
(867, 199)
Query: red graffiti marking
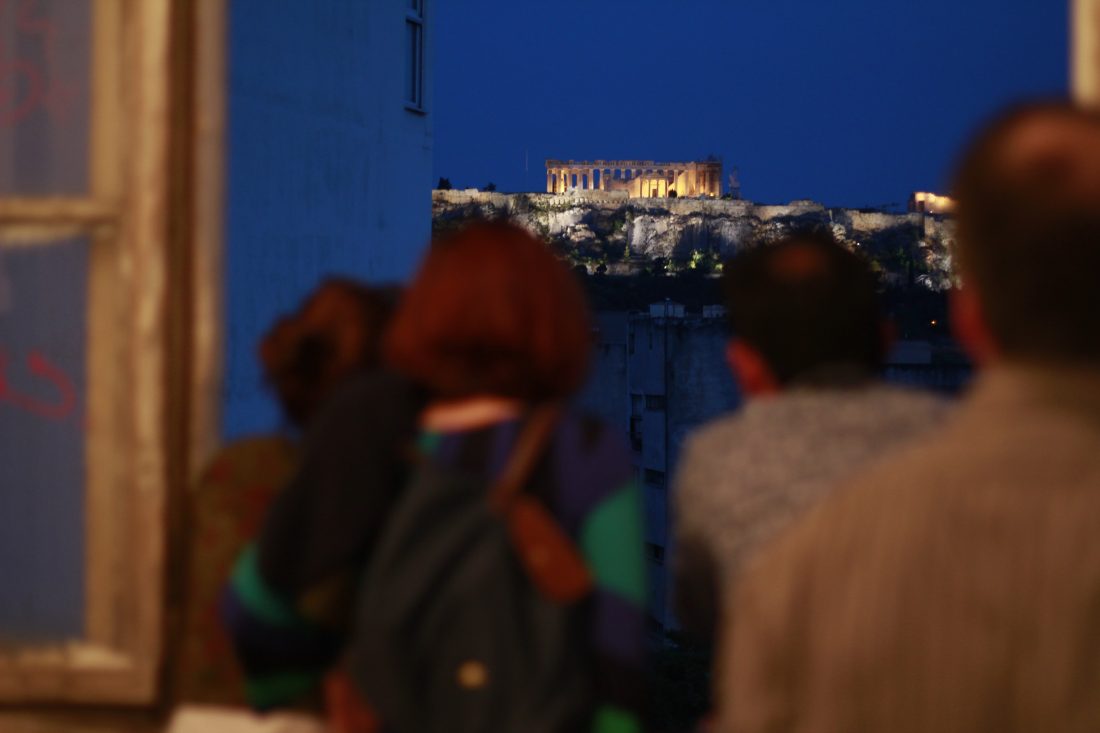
(41, 367)
(14, 109)
(25, 86)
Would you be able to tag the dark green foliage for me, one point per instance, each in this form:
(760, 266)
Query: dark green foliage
(444, 184)
(897, 252)
(490, 187)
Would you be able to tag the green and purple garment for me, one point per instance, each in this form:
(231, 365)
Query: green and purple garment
(287, 604)
(587, 483)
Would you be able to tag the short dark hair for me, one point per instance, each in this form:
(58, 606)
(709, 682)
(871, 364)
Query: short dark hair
(493, 311)
(1028, 195)
(805, 303)
(336, 332)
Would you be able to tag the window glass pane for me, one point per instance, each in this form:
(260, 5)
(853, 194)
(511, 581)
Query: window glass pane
(43, 292)
(45, 63)
(412, 67)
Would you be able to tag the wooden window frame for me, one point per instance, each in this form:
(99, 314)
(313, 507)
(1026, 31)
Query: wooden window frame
(1085, 50)
(154, 335)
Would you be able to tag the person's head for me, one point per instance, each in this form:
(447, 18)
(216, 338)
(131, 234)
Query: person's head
(800, 310)
(1028, 197)
(492, 312)
(336, 332)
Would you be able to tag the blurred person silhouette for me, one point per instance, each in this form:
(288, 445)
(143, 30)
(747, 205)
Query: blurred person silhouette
(954, 587)
(807, 350)
(305, 357)
(291, 590)
(506, 592)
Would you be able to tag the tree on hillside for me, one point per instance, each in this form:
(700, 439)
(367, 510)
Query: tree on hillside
(444, 184)
(490, 187)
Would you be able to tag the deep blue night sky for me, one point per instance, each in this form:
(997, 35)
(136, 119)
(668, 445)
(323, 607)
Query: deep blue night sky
(848, 102)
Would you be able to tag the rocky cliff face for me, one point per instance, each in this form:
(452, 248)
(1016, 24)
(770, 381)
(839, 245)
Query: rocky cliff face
(607, 232)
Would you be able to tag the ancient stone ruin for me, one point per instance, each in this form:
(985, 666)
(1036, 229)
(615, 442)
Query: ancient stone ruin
(639, 178)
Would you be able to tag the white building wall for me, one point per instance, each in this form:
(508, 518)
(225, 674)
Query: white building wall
(328, 171)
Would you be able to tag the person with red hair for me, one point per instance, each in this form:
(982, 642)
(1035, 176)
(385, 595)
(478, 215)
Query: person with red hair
(497, 328)
(492, 316)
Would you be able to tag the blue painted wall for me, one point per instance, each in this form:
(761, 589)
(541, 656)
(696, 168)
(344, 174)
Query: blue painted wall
(328, 172)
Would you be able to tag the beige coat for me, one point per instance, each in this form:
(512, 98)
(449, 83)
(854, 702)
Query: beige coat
(955, 587)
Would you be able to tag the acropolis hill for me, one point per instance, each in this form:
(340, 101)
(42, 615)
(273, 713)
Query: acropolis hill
(609, 231)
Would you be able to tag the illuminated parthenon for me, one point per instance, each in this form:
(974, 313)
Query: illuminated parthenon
(640, 178)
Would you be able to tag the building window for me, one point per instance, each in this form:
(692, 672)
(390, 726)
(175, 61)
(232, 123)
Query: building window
(655, 402)
(655, 478)
(414, 55)
(636, 432)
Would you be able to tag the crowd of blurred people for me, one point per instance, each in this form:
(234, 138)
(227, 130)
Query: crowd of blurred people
(451, 546)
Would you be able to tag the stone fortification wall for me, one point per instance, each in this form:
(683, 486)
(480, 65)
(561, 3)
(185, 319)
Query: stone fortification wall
(609, 232)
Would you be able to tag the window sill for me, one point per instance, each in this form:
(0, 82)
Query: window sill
(410, 107)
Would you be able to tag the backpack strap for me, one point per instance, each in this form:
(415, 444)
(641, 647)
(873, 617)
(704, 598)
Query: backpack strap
(530, 447)
(547, 553)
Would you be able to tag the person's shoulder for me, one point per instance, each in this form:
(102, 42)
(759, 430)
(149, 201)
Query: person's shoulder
(588, 437)
(890, 496)
(590, 452)
(920, 404)
(719, 435)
